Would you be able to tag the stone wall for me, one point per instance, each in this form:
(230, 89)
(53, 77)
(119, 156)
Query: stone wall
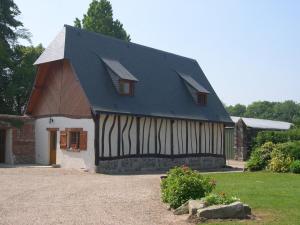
(151, 164)
(240, 141)
(243, 140)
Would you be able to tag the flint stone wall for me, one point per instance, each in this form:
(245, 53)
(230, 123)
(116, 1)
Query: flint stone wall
(158, 164)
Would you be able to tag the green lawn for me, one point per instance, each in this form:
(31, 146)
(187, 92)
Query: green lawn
(274, 198)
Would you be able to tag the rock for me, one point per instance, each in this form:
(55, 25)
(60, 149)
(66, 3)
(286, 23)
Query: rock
(247, 209)
(183, 209)
(235, 210)
(163, 177)
(194, 205)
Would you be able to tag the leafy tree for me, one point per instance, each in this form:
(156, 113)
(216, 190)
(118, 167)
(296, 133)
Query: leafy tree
(99, 18)
(16, 69)
(236, 110)
(19, 88)
(8, 36)
(285, 111)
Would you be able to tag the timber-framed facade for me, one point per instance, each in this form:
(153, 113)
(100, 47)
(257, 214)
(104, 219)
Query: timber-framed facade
(123, 107)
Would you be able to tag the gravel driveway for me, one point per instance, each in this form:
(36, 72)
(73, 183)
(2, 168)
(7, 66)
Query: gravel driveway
(58, 196)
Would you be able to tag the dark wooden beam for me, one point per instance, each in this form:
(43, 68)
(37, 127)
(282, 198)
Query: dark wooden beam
(155, 134)
(138, 135)
(187, 137)
(96, 118)
(172, 138)
(119, 135)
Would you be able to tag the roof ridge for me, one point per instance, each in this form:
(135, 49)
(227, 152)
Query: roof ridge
(128, 42)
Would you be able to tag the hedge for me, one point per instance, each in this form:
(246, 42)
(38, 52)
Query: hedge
(277, 137)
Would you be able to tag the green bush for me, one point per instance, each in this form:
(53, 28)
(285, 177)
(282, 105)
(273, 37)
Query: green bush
(260, 157)
(219, 199)
(183, 184)
(277, 136)
(295, 166)
(280, 161)
(291, 149)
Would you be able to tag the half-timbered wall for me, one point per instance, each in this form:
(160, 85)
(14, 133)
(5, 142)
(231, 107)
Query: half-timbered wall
(128, 136)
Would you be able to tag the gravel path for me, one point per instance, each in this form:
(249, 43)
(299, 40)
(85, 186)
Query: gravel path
(57, 196)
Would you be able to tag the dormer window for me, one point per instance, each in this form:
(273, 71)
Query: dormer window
(202, 99)
(122, 79)
(197, 91)
(126, 87)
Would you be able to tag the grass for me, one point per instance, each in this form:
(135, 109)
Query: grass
(274, 198)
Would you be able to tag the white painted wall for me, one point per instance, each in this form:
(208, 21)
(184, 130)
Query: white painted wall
(67, 159)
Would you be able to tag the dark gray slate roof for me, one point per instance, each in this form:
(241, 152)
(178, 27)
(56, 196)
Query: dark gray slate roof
(159, 90)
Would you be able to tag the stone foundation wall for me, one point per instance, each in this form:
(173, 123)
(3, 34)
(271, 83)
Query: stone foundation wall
(158, 164)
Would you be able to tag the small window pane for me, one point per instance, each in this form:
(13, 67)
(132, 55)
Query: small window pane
(202, 99)
(74, 140)
(125, 87)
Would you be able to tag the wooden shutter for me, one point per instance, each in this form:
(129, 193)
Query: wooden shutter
(63, 140)
(83, 140)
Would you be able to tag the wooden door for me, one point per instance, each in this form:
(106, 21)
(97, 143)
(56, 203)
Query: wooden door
(2, 146)
(53, 139)
(229, 143)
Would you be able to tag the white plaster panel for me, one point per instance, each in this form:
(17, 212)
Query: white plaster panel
(67, 159)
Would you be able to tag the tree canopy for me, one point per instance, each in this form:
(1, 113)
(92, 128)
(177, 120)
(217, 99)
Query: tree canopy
(16, 69)
(99, 18)
(285, 111)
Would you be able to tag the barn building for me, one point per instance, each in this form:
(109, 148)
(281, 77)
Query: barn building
(239, 138)
(109, 105)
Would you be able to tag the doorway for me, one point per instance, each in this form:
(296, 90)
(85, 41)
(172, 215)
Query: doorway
(53, 142)
(2, 146)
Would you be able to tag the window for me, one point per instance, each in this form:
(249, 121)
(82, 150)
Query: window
(122, 79)
(73, 139)
(126, 87)
(197, 91)
(202, 99)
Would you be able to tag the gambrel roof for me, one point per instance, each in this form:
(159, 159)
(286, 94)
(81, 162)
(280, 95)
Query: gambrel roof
(159, 91)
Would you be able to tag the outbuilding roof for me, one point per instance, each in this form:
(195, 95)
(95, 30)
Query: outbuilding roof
(263, 124)
(159, 90)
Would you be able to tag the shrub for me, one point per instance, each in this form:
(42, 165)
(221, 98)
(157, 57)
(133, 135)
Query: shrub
(280, 161)
(295, 166)
(291, 149)
(260, 157)
(219, 199)
(277, 136)
(183, 184)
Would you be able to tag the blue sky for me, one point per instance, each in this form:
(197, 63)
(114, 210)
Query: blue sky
(249, 50)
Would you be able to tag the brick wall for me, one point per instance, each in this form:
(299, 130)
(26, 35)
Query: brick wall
(23, 143)
(22, 138)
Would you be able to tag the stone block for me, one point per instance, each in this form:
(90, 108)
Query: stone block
(232, 211)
